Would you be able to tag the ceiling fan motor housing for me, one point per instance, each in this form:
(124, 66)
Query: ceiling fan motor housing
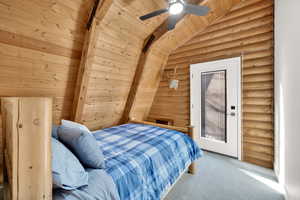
(176, 7)
(176, 1)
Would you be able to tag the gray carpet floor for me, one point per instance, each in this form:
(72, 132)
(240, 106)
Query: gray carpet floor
(222, 178)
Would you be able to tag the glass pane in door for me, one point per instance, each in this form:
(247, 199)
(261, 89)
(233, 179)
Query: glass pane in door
(213, 105)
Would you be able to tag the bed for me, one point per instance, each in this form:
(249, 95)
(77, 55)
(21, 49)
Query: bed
(143, 161)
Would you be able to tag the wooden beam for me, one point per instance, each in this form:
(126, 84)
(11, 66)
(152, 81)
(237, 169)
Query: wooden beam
(184, 31)
(93, 14)
(156, 35)
(1, 149)
(134, 86)
(91, 37)
(191, 133)
(176, 128)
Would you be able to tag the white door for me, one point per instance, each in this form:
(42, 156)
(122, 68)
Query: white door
(215, 105)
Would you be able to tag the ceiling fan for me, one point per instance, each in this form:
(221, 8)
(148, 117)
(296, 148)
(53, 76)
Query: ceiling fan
(176, 9)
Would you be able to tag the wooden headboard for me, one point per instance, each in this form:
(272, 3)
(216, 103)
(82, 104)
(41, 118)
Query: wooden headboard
(26, 129)
(188, 130)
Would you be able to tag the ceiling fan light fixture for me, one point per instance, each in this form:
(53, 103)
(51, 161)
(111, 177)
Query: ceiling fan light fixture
(176, 8)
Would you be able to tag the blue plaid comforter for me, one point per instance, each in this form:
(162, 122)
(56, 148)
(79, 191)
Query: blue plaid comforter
(145, 160)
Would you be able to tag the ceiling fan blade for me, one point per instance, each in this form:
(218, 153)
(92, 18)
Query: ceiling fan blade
(154, 14)
(196, 10)
(172, 21)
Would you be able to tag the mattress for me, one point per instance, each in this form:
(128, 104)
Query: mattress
(143, 160)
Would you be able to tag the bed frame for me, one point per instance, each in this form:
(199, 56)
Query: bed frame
(27, 124)
(26, 137)
(188, 130)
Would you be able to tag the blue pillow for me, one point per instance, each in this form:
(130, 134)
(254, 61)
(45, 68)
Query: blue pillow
(84, 145)
(101, 187)
(72, 124)
(54, 131)
(67, 171)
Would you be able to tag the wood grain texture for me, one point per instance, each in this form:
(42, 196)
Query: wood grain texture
(246, 31)
(34, 136)
(28, 123)
(88, 51)
(1, 148)
(10, 113)
(40, 49)
(159, 52)
(41, 46)
(177, 128)
(149, 41)
(115, 59)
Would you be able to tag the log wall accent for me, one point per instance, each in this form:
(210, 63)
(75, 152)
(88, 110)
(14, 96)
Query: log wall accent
(246, 31)
(40, 49)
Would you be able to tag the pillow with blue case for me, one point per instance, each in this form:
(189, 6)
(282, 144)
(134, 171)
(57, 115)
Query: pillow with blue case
(67, 171)
(54, 131)
(83, 144)
(72, 124)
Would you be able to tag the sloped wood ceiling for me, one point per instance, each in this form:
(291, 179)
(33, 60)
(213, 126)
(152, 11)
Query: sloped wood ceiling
(120, 41)
(117, 51)
(161, 49)
(246, 31)
(41, 46)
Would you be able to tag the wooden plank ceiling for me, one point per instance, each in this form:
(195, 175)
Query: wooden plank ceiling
(41, 51)
(161, 49)
(41, 43)
(112, 70)
(113, 61)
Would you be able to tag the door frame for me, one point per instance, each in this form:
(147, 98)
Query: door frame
(238, 61)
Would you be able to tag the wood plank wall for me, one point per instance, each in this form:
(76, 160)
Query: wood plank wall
(40, 49)
(246, 31)
(117, 50)
(41, 44)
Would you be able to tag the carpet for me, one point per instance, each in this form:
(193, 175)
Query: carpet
(223, 178)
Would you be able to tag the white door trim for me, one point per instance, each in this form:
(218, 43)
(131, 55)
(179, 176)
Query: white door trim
(238, 60)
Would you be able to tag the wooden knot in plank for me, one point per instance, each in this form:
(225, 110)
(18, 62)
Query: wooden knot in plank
(36, 122)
